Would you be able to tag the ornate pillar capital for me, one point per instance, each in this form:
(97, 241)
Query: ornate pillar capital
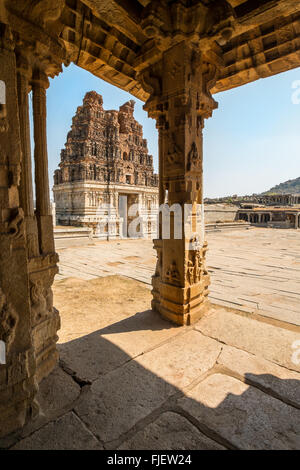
(39, 78)
(23, 64)
(182, 71)
(7, 41)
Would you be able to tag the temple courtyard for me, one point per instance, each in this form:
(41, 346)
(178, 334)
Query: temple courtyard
(129, 380)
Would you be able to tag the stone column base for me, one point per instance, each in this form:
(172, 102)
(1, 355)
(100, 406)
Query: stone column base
(183, 306)
(17, 391)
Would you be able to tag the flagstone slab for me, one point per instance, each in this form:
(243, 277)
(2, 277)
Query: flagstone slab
(278, 380)
(243, 415)
(264, 340)
(173, 432)
(182, 359)
(97, 353)
(65, 433)
(57, 392)
(106, 322)
(123, 397)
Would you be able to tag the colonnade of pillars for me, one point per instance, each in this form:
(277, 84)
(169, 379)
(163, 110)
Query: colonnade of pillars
(42, 259)
(180, 101)
(257, 218)
(264, 218)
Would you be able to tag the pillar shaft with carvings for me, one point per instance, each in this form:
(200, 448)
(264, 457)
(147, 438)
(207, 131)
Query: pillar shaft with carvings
(45, 318)
(180, 102)
(17, 366)
(43, 209)
(26, 188)
(26, 192)
(39, 85)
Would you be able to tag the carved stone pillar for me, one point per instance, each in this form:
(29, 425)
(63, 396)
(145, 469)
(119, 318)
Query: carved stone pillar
(42, 268)
(26, 191)
(180, 101)
(17, 374)
(43, 210)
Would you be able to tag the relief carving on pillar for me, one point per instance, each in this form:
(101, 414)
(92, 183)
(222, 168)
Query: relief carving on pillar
(6, 39)
(42, 272)
(172, 274)
(41, 300)
(14, 227)
(3, 118)
(14, 175)
(8, 321)
(194, 268)
(193, 160)
(195, 243)
(38, 301)
(174, 154)
(158, 265)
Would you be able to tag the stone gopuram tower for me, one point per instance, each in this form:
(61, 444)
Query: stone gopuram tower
(105, 178)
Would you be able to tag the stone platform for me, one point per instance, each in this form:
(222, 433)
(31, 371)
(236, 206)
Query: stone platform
(129, 380)
(65, 237)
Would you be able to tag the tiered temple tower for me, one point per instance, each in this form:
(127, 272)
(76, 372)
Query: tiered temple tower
(105, 157)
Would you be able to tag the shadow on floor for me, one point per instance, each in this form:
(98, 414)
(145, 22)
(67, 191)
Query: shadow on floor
(160, 400)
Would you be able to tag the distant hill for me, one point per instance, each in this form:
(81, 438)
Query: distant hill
(290, 186)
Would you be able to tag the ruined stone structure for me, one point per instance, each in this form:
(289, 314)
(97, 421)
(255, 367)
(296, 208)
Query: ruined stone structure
(171, 54)
(279, 199)
(105, 168)
(265, 199)
(275, 217)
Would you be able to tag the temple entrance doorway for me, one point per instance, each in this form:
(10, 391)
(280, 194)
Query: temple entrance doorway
(127, 205)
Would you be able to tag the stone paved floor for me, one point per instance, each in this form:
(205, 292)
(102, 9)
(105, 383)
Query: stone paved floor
(129, 380)
(256, 270)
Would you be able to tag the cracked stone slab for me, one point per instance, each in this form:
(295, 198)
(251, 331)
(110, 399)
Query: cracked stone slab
(105, 322)
(170, 431)
(102, 351)
(56, 392)
(184, 358)
(65, 433)
(264, 340)
(278, 380)
(243, 415)
(120, 399)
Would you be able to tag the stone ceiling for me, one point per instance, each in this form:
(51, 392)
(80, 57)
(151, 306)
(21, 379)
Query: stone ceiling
(117, 39)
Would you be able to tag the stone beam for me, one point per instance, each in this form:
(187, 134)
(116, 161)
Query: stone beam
(253, 41)
(264, 51)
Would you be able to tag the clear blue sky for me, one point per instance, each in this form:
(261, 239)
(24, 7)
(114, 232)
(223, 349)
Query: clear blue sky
(251, 143)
